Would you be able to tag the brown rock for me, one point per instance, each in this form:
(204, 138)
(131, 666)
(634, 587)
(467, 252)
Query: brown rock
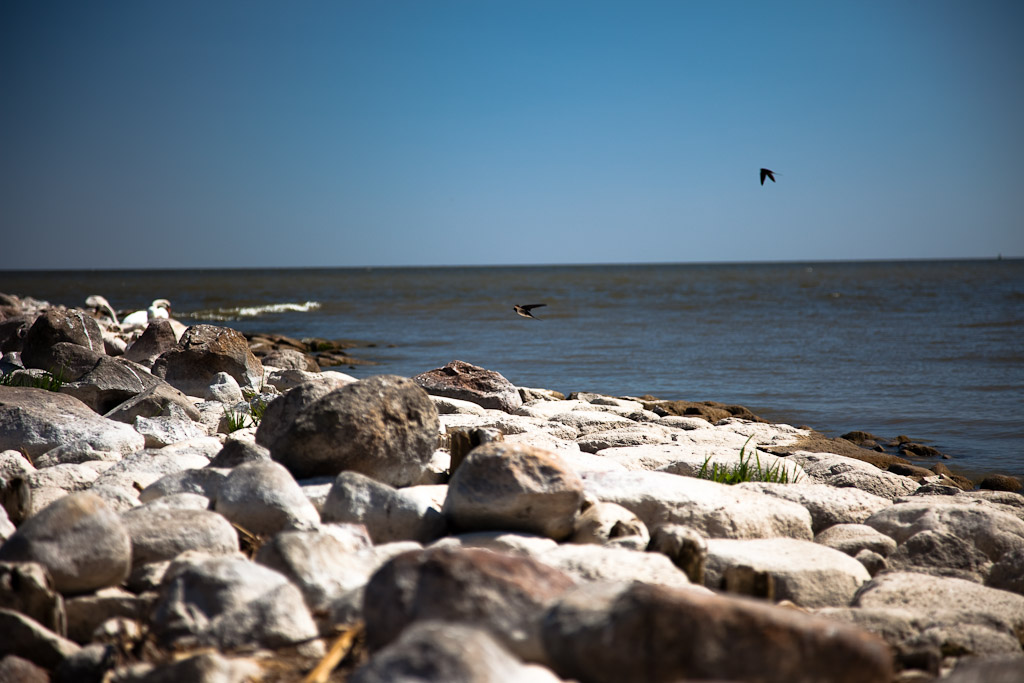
(205, 350)
(1001, 482)
(711, 411)
(468, 382)
(607, 633)
(504, 594)
(157, 339)
(917, 450)
(58, 325)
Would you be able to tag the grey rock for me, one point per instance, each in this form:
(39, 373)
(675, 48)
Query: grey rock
(36, 420)
(806, 573)
(155, 401)
(852, 538)
(205, 482)
(468, 382)
(263, 499)
(841, 471)
(160, 534)
(387, 513)
(628, 435)
(715, 510)
(291, 359)
(1008, 573)
(588, 563)
(684, 546)
(238, 451)
(29, 640)
(322, 566)
(201, 353)
(828, 505)
(26, 587)
(155, 340)
(110, 383)
(502, 486)
(56, 325)
(990, 670)
(230, 602)
(87, 612)
(435, 652)
(166, 430)
(608, 632)
(208, 667)
(502, 593)
(224, 388)
(80, 541)
(70, 477)
(280, 414)
(872, 561)
(942, 554)
(137, 471)
(384, 427)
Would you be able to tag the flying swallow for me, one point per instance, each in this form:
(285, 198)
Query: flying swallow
(765, 173)
(525, 310)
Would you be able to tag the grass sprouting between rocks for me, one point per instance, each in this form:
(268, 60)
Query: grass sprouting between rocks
(748, 469)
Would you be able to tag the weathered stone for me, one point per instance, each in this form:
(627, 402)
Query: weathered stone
(942, 554)
(160, 534)
(87, 612)
(387, 513)
(842, 471)
(158, 400)
(1008, 573)
(468, 382)
(715, 510)
(514, 488)
(629, 435)
(828, 505)
(230, 602)
(322, 566)
(684, 546)
(384, 427)
(610, 563)
(808, 574)
(504, 542)
(224, 388)
(80, 541)
(290, 359)
(205, 482)
(504, 594)
(27, 638)
(155, 340)
(36, 420)
(263, 498)
(237, 451)
(1001, 482)
(26, 587)
(57, 325)
(456, 406)
(208, 667)
(14, 669)
(853, 538)
(110, 383)
(202, 352)
(137, 471)
(660, 634)
(602, 522)
(70, 477)
(435, 652)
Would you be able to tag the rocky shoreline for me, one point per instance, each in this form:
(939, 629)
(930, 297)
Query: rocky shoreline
(192, 504)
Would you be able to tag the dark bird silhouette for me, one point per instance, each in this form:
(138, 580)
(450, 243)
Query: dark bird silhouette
(765, 173)
(525, 310)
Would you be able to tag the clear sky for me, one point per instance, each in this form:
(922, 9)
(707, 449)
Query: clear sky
(349, 133)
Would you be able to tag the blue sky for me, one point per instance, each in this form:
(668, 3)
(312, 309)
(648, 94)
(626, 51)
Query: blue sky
(272, 134)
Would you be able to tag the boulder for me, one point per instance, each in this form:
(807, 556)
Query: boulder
(388, 513)
(502, 486)
(157, 339)
(805, 573)
(603, 522)
(224, 388)
(36, 420)
(30, 640)
(291, 359)
(612, 632)
(110, 383)
(14, 668)
(1001, 482)
(158, 534)
(628, 435)
(86, 613)
(842, 471)
(263, 498)
(853, 538)
(684, 546)
(165, 430)
(205, 482)
(436, 652)
(25, 587)
(80, 541)
(204, 351)
(828, 505)
(384, 427)
(504, 594)
(229, 602)
(715, 510)
(160, 399)
(58, 325)
(610, 563)
(468, 382)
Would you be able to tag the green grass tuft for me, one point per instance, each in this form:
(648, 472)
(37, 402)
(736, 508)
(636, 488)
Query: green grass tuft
(51, 381)
(749, 469)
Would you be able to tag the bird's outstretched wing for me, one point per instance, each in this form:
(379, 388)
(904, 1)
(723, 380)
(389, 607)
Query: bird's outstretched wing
(766, 173)
(530, 307)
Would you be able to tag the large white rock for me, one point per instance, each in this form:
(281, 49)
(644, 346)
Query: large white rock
(841, 471)
(608, 563)
(715, 510)
(809, 574)
(853, 538)
(828, 505)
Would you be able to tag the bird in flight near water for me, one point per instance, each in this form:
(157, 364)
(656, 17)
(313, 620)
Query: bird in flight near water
(525, 310)
(765, 173)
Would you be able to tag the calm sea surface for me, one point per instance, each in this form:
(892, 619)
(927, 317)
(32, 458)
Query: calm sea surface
(930, 349)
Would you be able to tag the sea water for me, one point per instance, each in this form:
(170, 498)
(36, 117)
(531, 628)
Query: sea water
(929, 349)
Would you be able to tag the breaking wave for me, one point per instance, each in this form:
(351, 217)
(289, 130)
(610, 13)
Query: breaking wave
(240, 312)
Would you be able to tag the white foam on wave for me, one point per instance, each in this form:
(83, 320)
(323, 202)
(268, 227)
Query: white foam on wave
(236, 312)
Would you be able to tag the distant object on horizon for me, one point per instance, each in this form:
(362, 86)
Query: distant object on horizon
(765, 173)
(525, 310)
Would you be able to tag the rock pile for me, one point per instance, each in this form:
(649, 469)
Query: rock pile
(182, 511)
